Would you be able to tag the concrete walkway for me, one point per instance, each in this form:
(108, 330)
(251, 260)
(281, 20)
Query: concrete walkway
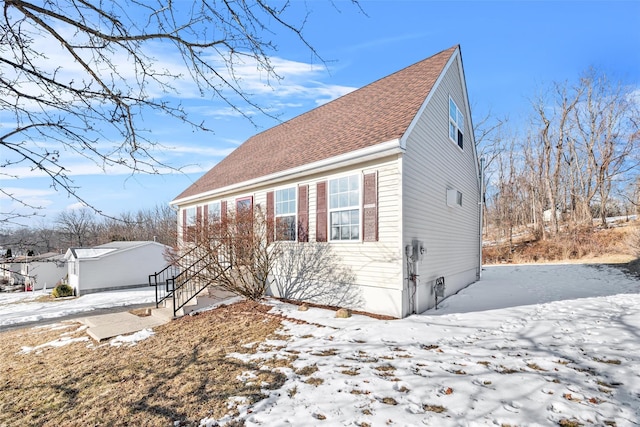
(105, 326)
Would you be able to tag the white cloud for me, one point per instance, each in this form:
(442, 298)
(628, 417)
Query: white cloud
(37, 198)
(22, 193)
(75, 206)
(200, 150)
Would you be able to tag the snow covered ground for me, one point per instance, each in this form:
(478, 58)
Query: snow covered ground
(24, 307)
(528, 345)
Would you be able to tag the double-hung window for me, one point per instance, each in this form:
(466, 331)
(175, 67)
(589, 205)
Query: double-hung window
(189, 230)
(344, 208)
(213, 212)
(285, 215)
(456, 124)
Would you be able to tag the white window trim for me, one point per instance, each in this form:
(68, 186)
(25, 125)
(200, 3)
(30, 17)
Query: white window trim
(295, 214)
(455, 123)
(359, 174)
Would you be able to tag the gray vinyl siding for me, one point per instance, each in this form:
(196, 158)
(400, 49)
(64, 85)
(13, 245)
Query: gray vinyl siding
(432, 164)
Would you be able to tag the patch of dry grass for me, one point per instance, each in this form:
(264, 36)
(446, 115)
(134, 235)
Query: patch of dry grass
(307, 370)
(585, 244)
(314, 381)
(434, 408)
(182, 373)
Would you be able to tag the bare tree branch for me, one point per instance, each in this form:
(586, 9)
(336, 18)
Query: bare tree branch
(116, 62)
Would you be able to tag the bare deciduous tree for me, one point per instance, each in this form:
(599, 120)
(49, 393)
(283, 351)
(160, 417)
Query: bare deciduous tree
(555, 128)
(604, 121)
(581, 149)
(78, 77)
(77, 226)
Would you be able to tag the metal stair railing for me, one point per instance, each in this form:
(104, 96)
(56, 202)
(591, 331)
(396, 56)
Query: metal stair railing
(182, 284)
(164, 280)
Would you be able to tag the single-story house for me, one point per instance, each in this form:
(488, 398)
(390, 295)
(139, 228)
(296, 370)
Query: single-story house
(43, 271)
(10, 272)
(387, 175)
(115, 265)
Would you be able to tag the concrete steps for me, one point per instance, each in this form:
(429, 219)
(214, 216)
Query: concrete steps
(203, 300)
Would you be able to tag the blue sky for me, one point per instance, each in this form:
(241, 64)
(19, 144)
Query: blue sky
(510, 50)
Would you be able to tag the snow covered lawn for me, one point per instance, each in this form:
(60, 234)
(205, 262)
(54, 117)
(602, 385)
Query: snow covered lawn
(528, 345)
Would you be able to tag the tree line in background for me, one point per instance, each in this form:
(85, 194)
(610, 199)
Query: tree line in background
(576, 163)
(577, 160)
(83, 228)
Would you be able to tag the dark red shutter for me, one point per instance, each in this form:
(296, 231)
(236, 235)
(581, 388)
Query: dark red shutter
(270, 217)
(370, 208)
(303, 213)
(198, 215)
(321, 212)
(223, 212)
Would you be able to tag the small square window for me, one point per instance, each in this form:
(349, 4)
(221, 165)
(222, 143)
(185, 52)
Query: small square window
(454, 198)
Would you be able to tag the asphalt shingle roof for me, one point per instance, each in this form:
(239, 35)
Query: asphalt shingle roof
(379, 112)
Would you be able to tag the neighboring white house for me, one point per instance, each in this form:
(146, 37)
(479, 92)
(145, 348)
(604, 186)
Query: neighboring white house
(44, 270)
(9, 271)
(387, 174)
(115, 265)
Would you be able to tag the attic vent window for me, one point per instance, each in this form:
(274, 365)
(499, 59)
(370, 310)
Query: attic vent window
(456, 124)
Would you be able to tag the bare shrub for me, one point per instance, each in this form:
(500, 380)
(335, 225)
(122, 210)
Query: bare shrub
(633, 240)
(574, 244)
(231, 253)
(236, 253)
(313, 272)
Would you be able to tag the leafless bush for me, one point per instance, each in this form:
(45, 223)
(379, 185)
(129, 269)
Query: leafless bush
(236, 253)
(231, 253)
(312, 272)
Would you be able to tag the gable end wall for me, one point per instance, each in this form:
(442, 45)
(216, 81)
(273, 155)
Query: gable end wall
(432, 164)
